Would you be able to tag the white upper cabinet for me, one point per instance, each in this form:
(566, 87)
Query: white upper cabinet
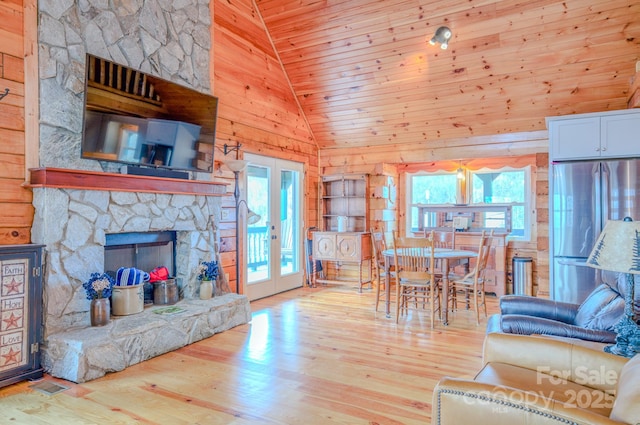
(620, 135)
(601, 135)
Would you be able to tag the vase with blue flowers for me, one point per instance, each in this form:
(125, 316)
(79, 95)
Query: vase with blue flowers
(207, 275)
(98, 289)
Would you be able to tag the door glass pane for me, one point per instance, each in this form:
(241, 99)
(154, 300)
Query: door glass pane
(289, 217)
(258, 247)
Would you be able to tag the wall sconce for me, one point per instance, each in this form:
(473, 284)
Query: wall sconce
(228, 149)
(442, 36)
(460, 173)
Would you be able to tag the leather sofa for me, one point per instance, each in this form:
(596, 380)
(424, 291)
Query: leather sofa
(592, 320)
(537, 380)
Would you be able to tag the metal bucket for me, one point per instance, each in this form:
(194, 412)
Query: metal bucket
(165, 292)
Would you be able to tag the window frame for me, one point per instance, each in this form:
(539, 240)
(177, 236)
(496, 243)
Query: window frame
(409, 205)
(464, 192)
(526, 204)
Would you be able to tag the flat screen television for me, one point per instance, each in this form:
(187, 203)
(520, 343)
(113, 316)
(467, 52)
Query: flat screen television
(137, 119)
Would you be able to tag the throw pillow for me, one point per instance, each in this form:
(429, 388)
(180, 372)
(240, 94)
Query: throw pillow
(626, 408)
(602, 309)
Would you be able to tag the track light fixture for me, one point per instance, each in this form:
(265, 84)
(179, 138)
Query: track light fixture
(442, 36)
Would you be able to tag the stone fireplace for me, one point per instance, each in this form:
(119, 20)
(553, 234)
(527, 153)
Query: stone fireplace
(73, 223)
(78, 202)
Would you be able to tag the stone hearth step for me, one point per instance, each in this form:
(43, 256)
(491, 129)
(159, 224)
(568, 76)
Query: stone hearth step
(80, 355)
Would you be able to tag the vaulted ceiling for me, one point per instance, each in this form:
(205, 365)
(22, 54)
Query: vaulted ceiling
(364, 73)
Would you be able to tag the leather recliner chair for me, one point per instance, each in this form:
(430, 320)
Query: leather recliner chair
(593, 320)
(538, 380)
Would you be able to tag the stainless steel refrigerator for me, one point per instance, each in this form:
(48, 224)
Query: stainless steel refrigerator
(584, 195)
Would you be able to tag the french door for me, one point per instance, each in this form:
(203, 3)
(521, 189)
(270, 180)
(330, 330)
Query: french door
(274, 231)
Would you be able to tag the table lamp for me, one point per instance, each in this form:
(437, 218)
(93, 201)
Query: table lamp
(618, 250)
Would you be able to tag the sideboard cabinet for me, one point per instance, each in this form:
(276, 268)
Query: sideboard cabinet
(344, 247)
(21, 313)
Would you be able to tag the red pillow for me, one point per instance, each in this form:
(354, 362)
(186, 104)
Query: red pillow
(159, 273)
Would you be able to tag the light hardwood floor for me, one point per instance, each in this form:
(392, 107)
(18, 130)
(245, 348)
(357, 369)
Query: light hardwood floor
(310, 356)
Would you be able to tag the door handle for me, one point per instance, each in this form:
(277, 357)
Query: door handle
(578, 263)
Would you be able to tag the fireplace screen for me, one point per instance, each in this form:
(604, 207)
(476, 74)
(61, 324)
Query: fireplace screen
(142, 250)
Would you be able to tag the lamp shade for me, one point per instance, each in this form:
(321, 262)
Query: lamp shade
(252, 217)
(617, 248)
(236, 165)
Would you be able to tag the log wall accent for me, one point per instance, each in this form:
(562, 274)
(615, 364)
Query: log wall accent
(542, 225)
(16, 214)
(634, 90)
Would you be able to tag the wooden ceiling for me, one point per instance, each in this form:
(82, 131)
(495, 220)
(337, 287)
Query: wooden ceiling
(364, 73)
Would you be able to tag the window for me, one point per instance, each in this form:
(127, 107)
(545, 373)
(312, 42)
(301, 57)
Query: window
(503, 187)
(429, 190)
(506, 187)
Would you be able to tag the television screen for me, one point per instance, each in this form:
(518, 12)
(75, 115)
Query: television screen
(135, 118)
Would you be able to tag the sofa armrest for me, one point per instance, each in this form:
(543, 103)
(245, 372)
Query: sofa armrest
(538, 307)
(460, 401)
(527, 325)
(554, 357)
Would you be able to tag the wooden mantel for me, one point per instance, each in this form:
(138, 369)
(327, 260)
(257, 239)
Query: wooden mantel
(93, 180)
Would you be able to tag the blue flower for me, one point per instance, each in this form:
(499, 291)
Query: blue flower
(98, 286)
(208, 270)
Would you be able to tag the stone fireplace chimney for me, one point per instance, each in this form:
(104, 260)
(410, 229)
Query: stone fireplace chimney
(167, 39)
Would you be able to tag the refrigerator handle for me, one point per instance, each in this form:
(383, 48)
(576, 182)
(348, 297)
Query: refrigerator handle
(604, 199)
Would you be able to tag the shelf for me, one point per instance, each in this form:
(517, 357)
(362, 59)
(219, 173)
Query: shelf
(345, 195)
(94, 180)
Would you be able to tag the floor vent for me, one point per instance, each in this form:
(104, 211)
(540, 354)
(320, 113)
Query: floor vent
(48, 388)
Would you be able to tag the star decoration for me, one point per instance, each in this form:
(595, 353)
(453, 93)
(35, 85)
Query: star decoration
(13, 286)
(11, 356)
(12, 321)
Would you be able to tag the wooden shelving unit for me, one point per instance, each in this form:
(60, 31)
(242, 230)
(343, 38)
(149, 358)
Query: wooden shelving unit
(345, 202)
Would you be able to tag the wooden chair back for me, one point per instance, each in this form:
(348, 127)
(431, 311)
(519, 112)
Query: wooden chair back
(414, 259)
(484, 251)
(442, 239)
(415, 275)
(379, 245)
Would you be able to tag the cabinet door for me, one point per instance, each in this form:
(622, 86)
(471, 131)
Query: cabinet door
(324, 246)
(21, 311)
(574, 138)
(348, 247)
(620, 135)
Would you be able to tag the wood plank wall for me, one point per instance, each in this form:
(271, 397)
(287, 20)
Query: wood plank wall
(16, 214)
(257, 110)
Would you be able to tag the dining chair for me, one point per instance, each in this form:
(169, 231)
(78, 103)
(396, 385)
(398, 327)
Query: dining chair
(379, 246)
(442, 238)
(472, 283)
(415, 276)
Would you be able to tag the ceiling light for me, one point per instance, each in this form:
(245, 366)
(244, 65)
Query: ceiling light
(442, 36)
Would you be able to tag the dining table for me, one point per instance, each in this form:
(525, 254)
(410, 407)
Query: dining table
(447, 258)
